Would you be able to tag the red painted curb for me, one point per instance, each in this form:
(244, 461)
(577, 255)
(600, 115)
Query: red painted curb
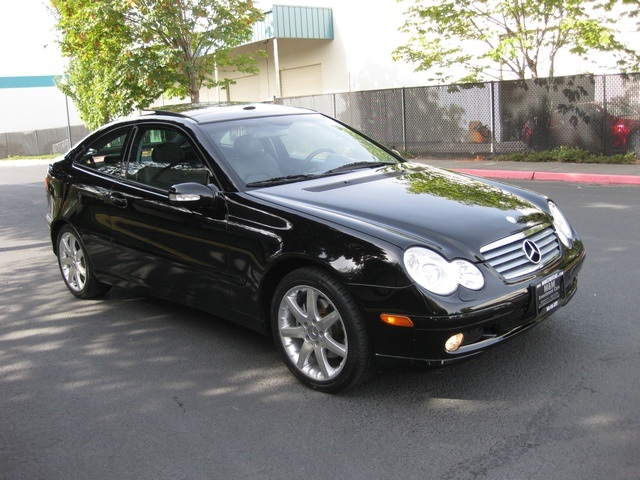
(600, 179)
(597, 179)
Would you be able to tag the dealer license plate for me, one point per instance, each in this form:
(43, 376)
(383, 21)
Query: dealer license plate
(549, 293)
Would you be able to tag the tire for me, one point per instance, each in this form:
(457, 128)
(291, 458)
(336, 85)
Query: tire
(320, 331)
(76, 267)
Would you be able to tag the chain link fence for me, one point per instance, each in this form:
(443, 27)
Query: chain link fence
(600, 114)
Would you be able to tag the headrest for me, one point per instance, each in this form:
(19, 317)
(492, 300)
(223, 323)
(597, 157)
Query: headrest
(167, 153)
(247, 146)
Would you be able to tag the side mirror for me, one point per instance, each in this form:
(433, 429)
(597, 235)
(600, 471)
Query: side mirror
(193, 194)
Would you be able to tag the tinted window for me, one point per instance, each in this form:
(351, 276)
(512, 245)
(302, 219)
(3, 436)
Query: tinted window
(263, 148)
(106, 154)
(163, 157)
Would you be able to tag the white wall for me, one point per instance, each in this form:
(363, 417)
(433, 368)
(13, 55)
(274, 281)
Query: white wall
(34, 108)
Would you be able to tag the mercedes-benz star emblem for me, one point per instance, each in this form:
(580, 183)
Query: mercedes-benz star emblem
(532, 251)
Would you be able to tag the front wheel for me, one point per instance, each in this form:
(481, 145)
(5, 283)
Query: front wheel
(75, 266)
(320, 331)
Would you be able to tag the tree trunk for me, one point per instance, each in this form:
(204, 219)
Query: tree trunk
(194, 91)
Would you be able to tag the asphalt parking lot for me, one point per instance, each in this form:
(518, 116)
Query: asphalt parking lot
(131, 387)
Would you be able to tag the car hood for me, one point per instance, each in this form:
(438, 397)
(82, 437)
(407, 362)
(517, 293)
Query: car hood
(411, 204)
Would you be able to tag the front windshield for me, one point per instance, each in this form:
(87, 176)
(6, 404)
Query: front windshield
(293, 147)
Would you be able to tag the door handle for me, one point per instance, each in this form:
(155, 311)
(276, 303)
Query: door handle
(118, 200)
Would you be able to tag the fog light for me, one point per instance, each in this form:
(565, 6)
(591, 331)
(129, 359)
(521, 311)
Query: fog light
(454, 343)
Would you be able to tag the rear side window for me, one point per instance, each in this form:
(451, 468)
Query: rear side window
(106, 153)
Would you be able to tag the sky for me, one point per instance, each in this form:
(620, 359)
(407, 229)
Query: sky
(27, 37)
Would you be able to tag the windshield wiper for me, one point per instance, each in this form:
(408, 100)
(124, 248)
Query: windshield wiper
(356, 165)
(306, 176)
(281, 180)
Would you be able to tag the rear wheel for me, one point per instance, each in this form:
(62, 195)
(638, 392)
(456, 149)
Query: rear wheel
(76, 267)
(320, 331)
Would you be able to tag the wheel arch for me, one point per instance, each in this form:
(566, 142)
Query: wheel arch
(274, 275)
(54, 230)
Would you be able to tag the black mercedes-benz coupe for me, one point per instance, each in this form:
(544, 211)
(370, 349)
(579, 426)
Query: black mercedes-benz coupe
(292, 223)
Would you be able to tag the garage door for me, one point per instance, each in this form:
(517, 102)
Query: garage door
(246, 89)
(301, 81)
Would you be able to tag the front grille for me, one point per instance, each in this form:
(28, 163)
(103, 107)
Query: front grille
(508, 256)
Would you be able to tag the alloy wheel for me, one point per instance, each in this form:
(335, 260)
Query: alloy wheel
(72, 261)
(312, 333)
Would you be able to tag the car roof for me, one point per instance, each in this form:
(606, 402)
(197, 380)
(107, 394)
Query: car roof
(216, 112)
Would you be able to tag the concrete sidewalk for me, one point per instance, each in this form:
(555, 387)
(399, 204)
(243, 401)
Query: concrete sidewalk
(601, 174)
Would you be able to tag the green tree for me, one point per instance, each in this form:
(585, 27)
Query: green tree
(484, 39)
(123, 54)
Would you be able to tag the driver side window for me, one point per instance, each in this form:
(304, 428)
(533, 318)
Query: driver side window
(163, 157)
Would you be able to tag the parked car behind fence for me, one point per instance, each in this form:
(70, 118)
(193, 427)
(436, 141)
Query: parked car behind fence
(587, 126)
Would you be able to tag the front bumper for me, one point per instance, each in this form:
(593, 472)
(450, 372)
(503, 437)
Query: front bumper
(484, 327)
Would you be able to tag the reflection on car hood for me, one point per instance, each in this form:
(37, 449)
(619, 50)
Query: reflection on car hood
(411, 203)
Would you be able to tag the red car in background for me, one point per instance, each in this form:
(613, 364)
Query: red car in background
(584, 126)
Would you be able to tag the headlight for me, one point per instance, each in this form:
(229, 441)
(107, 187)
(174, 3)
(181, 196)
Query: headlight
(436, 274)
(562, 225)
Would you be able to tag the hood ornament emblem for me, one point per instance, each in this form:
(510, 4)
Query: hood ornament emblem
(532, 251)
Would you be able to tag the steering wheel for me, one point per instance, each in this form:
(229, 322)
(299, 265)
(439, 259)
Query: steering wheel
(312, 155)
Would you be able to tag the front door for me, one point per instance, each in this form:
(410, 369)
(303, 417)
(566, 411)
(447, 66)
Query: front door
(180, 249)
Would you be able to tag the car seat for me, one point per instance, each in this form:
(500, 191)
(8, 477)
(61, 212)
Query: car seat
(253, 163)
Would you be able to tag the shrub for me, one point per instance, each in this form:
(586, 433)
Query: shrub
(568, 155)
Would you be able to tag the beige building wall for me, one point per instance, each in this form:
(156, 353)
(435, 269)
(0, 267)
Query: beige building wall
(305, 67)
(358, 57)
